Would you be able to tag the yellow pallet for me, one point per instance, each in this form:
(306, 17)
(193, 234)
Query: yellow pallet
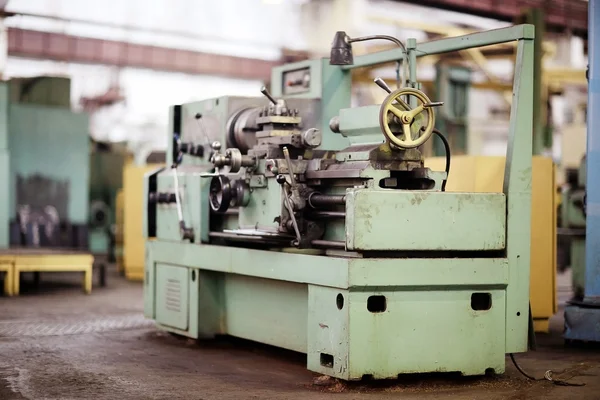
(44, 260)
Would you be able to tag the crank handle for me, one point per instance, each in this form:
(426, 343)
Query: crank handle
(381, 83)
(413, 113)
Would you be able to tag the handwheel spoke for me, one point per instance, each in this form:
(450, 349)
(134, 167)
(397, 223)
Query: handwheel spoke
(413, 113)
(407, 134)
(398, 113)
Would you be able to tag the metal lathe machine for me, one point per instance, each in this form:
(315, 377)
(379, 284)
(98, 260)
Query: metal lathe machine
(294, 220)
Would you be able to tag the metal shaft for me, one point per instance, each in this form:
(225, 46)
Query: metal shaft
(264, 91)
(327, 214)
(177, 201)
(329, 243)
(320, 200)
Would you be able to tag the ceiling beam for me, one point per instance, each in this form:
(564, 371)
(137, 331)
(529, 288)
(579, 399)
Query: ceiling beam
(77, 49)
(560, 15)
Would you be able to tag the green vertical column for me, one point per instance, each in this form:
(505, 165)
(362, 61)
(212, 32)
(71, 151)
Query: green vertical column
(542, 134)
(517, 187)
(411, 46)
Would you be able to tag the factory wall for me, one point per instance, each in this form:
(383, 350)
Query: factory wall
(252, 28)
(142, 118)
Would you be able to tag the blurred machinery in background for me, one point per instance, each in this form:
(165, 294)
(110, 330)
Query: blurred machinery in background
(582, 315)
(119, 217)
(107, 162)
(131, 263)
(452, 86)
(572, 226)
(45, 148)
(299, 222)
(44, 152)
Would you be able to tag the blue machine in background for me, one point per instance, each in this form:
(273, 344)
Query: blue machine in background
(582, 318)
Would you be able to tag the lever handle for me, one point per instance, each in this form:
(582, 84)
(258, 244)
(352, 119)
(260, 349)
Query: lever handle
(381, 83)
(265, 92)
(288, 161)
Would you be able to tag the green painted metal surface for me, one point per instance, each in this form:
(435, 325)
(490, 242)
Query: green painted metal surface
(340, 272)
(301, 268)
(447, 45)
(542, 136)
(262, 209)
(52, 143)
(330, 84)
(429, 220)
(50, 91)
(3, 116)
(4, 195)
(366, 312)
(402, 334)
(361, 124)
(281, 299)
(172, 296)
(194, 204)
(517, 188)
(277, 316)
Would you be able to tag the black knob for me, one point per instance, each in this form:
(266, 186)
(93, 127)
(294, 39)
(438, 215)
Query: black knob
(220, 194)
(280, 179)
(198, 151)
(189, 148)
(162, 197)
(165, 198)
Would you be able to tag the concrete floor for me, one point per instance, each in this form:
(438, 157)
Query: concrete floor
(57, 343)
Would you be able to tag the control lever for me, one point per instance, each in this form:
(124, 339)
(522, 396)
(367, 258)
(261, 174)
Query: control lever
(288, 161)
(297, 200)
(186, 233)
(288, 204)
(264, 91)
(295, 194)
(433, 104)
(381, 83)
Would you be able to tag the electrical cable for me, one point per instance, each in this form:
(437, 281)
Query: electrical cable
(448, 157)
(547, 375)
(399, 81)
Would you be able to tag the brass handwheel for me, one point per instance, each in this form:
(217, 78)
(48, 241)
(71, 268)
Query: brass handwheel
(394, 110)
